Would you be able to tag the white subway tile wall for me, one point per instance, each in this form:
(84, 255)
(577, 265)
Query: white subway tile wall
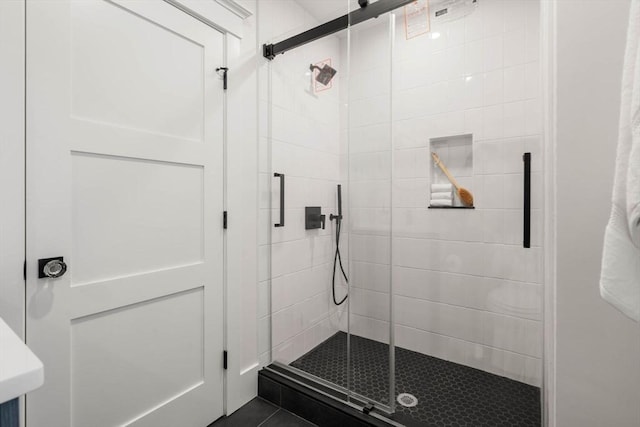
(370, 165)
(464, 288)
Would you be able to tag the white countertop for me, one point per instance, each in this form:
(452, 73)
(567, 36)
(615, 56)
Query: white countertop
(20, 370)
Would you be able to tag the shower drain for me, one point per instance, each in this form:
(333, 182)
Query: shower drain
(407, 400)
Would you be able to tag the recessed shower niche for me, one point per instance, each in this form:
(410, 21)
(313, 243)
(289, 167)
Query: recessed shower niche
(453, 156)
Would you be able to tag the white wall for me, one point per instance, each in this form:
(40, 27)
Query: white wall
(598, 349)
(12, 164)
(464, 287)
(12, 149)
(299, 137)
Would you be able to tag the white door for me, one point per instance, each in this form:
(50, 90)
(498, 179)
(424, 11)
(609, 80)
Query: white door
(124, 180)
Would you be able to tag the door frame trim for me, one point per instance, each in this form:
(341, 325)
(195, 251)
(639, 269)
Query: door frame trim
(212, 14)
(241, 202)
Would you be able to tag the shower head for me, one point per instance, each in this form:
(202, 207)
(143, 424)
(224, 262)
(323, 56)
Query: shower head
(325, 74)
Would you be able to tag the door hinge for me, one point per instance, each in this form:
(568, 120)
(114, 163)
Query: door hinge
(224, 70)
(24, 270)
(224, 220)
(224, 359)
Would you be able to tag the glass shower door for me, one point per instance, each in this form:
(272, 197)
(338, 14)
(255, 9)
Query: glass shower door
(304, 331)
(326, 185)
(369, 164)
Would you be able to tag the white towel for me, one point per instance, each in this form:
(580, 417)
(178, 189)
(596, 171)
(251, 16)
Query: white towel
(442, 196)
(620, 276)
(441, 202)
(438, 188)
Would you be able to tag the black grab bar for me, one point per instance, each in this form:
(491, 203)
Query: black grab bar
(281, 176)
(527, 200)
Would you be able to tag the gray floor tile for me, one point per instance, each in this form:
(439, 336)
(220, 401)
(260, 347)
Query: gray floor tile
(284, 418)
(252, 414)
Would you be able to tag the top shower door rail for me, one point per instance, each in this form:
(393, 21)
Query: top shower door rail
(357, 16)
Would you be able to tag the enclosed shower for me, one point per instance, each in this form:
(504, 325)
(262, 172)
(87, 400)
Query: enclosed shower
(401, 206)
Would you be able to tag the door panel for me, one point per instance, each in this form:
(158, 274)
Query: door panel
(124, 160)
(108, 242)
(171, 322)
(176, 109)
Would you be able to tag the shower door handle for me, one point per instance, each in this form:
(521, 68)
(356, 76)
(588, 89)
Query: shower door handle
(281, 176)
(526, 240)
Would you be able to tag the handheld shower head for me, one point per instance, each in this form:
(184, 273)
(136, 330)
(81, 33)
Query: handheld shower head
(339, 216)
(325, 74)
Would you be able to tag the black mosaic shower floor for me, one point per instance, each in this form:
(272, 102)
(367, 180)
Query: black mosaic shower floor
(448, 394)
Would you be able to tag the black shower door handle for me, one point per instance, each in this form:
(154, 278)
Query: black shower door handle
(526, 241)
(281, 176)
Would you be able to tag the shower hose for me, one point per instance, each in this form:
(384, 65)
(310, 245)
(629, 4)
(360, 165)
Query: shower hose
(337, 260)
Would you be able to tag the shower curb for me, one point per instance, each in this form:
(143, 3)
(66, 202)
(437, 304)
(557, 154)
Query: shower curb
(312, 405)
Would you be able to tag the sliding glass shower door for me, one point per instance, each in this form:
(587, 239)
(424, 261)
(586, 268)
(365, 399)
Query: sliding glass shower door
(386, 284)
(325, 203)
(369, 168)
(300, 153)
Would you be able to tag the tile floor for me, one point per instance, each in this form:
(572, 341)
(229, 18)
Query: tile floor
(261, 413)
(448, 394)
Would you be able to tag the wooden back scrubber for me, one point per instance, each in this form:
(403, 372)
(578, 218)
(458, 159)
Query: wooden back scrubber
(465, 195)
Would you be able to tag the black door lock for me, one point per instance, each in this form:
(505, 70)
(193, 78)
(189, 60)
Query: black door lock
(51, 268)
